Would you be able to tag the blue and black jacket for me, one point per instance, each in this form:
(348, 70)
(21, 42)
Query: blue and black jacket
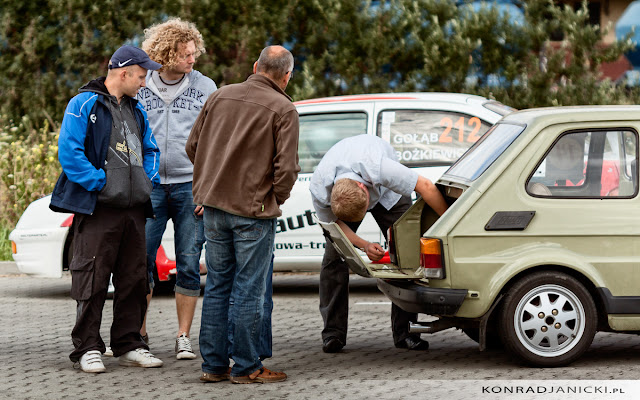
(83, 145)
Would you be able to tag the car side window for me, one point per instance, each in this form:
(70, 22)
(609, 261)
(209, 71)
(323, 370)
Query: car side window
(319, 132)
(598, 164)
(429, 137)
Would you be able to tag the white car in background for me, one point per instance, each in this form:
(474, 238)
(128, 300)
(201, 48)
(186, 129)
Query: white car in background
(429, 131)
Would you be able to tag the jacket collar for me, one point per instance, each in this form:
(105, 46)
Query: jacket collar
(98, 86)
(261, 79)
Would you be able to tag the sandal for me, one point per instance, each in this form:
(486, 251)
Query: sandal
(263, 375)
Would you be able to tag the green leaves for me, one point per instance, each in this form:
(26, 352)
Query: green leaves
(49, 48)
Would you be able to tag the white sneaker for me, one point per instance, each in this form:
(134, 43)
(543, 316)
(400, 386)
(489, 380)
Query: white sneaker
(140, 358)
(183, 348)
(91, 361)
(108, 352)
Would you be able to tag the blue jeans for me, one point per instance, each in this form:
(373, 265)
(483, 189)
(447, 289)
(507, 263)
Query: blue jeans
(238, 255)
(175, 201)
(265, 340)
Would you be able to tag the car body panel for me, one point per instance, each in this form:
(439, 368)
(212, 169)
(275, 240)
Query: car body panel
(40, 237)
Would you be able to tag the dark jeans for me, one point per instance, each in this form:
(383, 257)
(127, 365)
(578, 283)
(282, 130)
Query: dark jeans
(110, 241)
(334, 283)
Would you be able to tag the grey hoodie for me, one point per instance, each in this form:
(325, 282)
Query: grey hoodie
(171, 123)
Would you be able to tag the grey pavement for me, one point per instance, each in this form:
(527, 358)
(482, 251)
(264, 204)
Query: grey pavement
(37, 314)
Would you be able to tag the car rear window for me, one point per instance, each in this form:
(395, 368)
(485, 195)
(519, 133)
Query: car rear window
(318, 132)
(474, 162)
(424, 138)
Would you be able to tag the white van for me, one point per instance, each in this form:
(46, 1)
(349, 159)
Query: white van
(428, 130)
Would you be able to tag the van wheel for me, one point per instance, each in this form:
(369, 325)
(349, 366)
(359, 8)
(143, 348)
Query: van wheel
(548, 319)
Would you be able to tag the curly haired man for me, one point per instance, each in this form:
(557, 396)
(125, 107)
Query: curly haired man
(173, 97)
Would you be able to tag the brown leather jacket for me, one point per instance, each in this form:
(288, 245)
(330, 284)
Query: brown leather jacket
(244, 149)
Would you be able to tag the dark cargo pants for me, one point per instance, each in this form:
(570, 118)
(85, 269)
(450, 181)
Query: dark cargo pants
(334, 283)
(111, 240)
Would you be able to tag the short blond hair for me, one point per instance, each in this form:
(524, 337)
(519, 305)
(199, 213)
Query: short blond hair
(348, 200)
(161, 41)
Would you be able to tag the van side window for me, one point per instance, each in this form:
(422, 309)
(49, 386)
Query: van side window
(318, 132)
(598, 164)
(429, 138)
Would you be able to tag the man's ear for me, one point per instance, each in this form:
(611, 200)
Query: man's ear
(255, 67)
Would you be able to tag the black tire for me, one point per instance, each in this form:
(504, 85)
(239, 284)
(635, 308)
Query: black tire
(548, 319)
(493, 338)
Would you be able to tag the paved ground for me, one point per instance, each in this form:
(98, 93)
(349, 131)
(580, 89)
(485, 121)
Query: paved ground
(36, 317)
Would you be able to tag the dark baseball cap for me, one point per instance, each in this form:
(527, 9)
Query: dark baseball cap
(130, 55)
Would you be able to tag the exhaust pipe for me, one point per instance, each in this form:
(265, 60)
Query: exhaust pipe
(430, 327)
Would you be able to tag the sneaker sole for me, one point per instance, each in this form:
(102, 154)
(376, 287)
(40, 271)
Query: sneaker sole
(185, 355)
(137, 364)
(95, 370)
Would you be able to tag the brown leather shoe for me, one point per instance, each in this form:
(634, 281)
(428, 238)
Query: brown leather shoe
(263, 375)
(207, 377)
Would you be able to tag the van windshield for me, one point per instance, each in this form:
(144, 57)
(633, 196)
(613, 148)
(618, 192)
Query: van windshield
(485, 151)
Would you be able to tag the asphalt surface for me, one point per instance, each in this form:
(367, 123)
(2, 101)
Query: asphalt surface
(37, 316)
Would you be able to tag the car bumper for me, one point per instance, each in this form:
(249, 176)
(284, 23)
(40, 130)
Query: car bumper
(423, 299)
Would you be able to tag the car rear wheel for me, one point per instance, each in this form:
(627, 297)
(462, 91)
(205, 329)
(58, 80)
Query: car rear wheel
(548, 320)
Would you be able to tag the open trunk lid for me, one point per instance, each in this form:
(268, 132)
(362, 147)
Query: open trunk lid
(406, 233)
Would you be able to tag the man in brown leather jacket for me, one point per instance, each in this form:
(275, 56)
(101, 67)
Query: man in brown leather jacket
(244, 147)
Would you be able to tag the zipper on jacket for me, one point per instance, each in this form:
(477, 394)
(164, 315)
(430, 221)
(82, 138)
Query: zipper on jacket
(166, 142)
(126, 143)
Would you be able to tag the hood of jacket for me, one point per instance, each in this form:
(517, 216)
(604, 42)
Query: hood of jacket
(96, 86)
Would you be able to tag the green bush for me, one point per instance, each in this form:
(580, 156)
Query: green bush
(340, 46)
(28, 166)
(5, 245)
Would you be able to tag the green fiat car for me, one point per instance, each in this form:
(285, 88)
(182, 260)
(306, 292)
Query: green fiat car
(540, 247)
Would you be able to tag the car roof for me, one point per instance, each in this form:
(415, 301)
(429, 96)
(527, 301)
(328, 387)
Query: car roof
(417, 96)
(563, 114)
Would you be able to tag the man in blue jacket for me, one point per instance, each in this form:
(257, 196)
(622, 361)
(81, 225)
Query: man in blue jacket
(109, 160)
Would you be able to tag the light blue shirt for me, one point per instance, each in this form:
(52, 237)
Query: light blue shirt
(366, 159)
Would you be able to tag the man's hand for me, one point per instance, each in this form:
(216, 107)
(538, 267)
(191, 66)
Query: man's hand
(199, 210)
(374, 251)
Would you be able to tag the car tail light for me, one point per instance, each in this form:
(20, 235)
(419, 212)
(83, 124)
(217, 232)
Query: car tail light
(431, 258)
(14, 248)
